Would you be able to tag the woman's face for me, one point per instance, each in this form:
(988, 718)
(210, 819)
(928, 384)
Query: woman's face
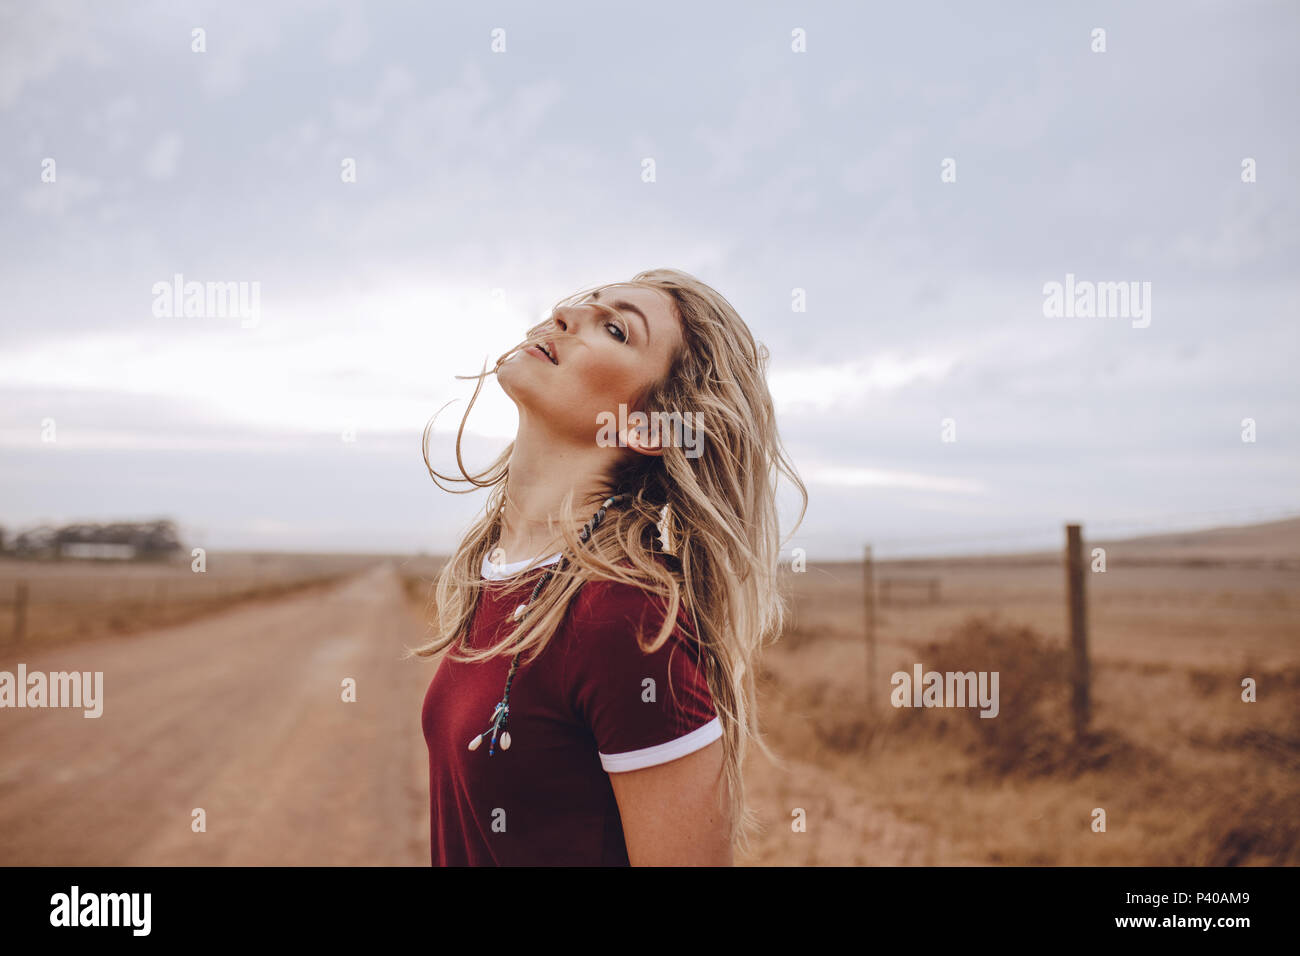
(600, 361)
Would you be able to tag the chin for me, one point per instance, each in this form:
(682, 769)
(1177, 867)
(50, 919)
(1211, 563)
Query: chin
(520, 387)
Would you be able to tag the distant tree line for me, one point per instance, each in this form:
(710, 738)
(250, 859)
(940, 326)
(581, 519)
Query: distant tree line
(144, 540)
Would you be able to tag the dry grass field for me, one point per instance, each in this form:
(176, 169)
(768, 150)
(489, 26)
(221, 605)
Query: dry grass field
(1186, 772)
(80, 600)
(223, 692)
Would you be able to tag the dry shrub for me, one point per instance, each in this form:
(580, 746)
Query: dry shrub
(1206, 682)
(1281, 748)
(1252, 830)
(1278, 691)
(847, 732)
(1278, 744)
(1280, 684)
(797, 635)
(1032, 735)
(814, 714)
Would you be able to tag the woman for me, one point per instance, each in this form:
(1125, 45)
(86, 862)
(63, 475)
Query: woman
(602, 619)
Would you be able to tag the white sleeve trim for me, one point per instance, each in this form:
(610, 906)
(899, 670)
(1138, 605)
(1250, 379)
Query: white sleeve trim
(697, 739)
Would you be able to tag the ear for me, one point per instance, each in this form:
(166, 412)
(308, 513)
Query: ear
(640, 441)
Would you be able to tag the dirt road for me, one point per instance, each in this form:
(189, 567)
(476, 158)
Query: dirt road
(238, 714)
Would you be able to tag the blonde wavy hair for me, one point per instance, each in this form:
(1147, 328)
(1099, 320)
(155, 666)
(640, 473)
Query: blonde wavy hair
(695, 531)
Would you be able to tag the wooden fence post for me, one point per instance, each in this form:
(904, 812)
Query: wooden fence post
(1078, 627)
(869, 597)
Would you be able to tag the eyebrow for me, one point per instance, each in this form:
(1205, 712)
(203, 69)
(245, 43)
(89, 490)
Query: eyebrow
(620, 304)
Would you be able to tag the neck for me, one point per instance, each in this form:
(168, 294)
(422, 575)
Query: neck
(543, 469)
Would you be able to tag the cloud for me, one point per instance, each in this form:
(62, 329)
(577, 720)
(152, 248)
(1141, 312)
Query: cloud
(161, 161)
(389, 373)
(880, 169)
(844, 384)
(1251, 227)
(69, 190)
(354, 116)
(351, 38)
(38, 38)
(237, 38)
(113, 123)
(823, 473)
(763, 119)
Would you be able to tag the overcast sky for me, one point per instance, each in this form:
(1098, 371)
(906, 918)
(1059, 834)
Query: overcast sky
(500, 153)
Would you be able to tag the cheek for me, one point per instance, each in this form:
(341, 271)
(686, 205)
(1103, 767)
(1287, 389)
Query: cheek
(605, 384)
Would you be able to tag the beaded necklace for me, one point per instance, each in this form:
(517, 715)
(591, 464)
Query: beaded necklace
(501, 713)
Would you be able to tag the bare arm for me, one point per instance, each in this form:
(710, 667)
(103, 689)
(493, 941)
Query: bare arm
(675, 814)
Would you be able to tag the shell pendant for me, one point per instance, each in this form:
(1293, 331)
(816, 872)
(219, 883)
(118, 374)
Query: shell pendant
(499, 714)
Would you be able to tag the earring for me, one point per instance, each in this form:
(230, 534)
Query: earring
(665, 540)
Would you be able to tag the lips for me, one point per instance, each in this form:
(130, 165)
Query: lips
(548, 349)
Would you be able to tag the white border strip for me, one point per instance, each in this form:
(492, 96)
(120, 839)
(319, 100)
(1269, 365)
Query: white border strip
(697, 739)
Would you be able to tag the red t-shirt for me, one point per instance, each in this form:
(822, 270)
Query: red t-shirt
(582, 710)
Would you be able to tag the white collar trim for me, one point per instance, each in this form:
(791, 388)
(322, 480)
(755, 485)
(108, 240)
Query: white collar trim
(495, 572)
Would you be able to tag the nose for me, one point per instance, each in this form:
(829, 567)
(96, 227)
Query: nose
(567, 318)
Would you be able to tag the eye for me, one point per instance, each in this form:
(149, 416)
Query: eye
(619, 329)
